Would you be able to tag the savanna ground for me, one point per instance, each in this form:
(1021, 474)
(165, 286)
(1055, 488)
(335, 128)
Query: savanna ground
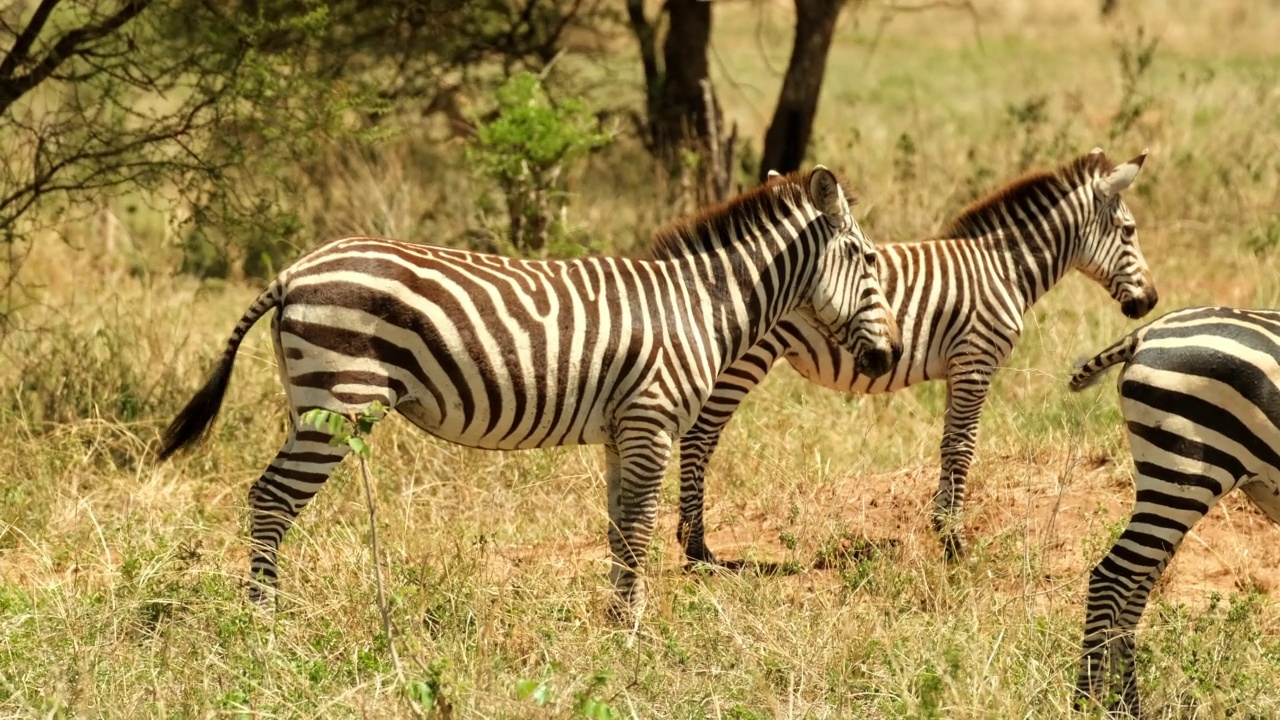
(121, 579)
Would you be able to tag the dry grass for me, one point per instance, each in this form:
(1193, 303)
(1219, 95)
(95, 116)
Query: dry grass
(120, 579)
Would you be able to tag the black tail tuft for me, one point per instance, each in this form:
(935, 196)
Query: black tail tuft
(200, 412)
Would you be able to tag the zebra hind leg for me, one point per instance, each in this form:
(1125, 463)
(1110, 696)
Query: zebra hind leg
(1125, 645)
(1178, 479)
(296, 474)
(1110, 587)
(635, 465)
(1119, 588)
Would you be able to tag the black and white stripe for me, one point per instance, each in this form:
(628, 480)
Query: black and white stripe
(959, 301)
(1200, 395)
(493, 352)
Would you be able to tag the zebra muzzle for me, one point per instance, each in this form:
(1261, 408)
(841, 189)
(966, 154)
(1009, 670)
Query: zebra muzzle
(1138, 306)
(876, 360)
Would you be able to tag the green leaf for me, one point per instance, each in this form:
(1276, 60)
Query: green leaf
(359, 446)
(597, 710)
(539, 692)
(422, 694)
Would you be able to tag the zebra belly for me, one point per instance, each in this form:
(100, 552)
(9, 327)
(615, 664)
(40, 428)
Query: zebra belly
(1264, 491)
(427, 418)
(478, 394)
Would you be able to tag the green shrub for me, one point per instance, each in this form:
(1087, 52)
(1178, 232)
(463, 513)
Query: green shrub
(526, 149)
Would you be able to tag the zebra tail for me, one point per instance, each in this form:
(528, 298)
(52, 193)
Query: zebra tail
(196, 418)
(1090, 371)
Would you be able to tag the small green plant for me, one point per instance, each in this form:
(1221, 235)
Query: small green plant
(587, 705)
(429, 692)
(905, 159)
(1263, 238)
(347, 431)
(535, 691)
(929, 687)
(1136, 55)
(424, 694)
(1097, 545)
(1027, 118)
(526, 149)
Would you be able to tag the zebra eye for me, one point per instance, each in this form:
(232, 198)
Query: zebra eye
(870, 259)
(1128, 231)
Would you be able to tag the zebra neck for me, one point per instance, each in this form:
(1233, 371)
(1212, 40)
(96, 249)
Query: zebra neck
(1036, 255)
(739, 295)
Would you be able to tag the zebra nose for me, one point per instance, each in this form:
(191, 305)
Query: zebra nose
(876, 361)
(1139, 305)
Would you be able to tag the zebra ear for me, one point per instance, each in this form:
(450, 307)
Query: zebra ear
(1096, 151)
(1111, 185)
(826, 195)
(772, 177)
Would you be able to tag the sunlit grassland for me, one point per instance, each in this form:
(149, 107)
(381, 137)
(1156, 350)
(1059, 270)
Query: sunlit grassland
(120, 579)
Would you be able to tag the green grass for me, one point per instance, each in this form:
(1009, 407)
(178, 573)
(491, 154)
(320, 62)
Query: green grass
(121, 580)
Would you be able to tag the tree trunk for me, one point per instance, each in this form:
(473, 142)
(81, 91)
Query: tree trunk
(682, 110)
(683, 113)
(788, 135)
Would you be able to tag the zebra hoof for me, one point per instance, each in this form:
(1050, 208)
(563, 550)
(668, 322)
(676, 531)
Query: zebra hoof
(1125, 708)
(952, 547)
(700, 559)
(262, 593)
(623, 613)
(1083, 703)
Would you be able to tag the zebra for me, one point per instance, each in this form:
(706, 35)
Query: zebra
(1200, 396)
(959, 301)
(491, 352)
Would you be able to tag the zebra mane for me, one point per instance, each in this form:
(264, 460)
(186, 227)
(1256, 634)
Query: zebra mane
(979, 216)
(707, 229)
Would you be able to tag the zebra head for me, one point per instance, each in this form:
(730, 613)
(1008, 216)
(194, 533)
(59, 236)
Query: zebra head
(1109, 252)
(847, 302)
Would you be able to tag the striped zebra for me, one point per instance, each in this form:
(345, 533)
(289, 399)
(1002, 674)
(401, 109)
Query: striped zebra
(491, 352)
(1200, 395)
(959, 301)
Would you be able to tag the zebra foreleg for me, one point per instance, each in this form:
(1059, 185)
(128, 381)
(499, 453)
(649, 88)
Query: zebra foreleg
(635, 465)
(966, 394)
(696, 448)
(288, 484)
(700, 441)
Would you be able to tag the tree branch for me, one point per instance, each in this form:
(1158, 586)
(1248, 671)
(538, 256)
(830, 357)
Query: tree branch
(22, 47)
(70, 44)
